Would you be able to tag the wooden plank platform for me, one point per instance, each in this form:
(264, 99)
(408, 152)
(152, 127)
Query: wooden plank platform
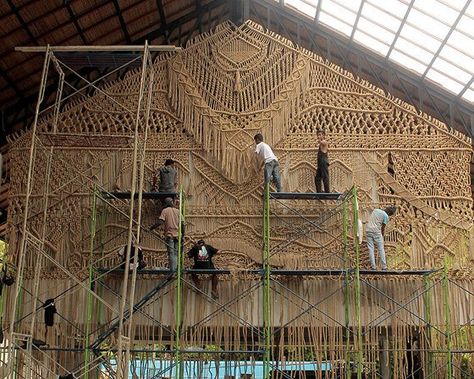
(145, 195)
(305, 195)
(319, 272)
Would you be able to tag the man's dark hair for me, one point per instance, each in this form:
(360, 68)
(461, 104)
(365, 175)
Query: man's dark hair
(169, 162)
(321, 131)
(200, 242)
(391, 210)
(169, 202)
(258, 137)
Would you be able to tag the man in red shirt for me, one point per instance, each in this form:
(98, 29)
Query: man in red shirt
(169, 218)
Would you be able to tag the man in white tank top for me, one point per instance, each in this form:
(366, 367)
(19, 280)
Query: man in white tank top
(269, 161)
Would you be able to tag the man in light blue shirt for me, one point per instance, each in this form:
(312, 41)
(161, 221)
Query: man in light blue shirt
(374, 234)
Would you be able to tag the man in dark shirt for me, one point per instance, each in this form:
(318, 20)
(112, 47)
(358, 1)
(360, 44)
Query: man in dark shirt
(49, 312)
(202, 254)
(322, 172)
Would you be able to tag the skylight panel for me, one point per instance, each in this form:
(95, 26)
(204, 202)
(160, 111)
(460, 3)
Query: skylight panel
(469, 95)
(371, 42)
(352, 5)
(462, 43)
(410, 33)
(428, 23)
(455, 4)
(444, 81)
(372, 13)
(371, 28)
(451, 70)
(457, 42)
(437, 10)
(339, 11)
(470, 10)
(466, 26)
(429, 28)
(335, 23)
(414, 50)
(462, 60)
(407, 61)
(303, 7)
(394, 7)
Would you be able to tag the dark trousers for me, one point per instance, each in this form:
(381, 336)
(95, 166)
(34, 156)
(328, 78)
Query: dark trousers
(214, 281)
(322, 176)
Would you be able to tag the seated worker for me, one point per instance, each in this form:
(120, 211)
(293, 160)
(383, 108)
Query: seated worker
(168, 178)
(123, 255)
(202, 255)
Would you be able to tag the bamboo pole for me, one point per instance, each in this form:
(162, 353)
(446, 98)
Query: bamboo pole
(427, 296)
(266, 283)
(347, 335)
(447, 320)
(141, 158)
(29, 186)
(179, 289)
(89, 296)
(357, 288)
(122, 364)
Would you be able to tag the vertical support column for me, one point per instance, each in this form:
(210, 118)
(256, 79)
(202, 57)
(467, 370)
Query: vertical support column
(266, 283)
(147, 74)
(347, 299)
(122, 359)
(429, 363)
(355, 229)
(45, 205)
(447, 320)
(88, 320)
(179, 288)
(29, 186)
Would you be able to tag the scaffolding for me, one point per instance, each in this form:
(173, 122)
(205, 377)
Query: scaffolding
(108, 340)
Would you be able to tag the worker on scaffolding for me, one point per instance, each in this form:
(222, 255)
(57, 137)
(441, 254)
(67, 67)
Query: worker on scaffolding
(322, 171)
(202, 254)
(169, 219)
(375, 231)
(269, 161)
(168, 178)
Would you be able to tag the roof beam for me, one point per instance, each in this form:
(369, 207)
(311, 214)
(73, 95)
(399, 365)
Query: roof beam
(181, 21)
(461, 13)
(354, 29)
(118, 13)
(318, 11)
(22, 22)
(402, 24)
(161, 11)
(466, 87)
(75, 22)
(4, 17)
(11, 83)
(198, 19)
(52, 31)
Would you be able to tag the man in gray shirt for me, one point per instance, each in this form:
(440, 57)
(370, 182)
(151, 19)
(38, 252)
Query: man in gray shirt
(168, 178)
(375, 232)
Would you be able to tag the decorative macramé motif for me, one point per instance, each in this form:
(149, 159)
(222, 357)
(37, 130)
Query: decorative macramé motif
(208, 103)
